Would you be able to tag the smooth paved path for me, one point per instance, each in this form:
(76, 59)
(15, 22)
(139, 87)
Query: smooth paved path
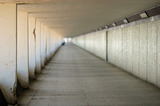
(74, 77)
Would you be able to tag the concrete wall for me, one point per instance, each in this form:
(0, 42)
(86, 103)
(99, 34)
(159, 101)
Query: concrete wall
(135, 48)
(93, 42)
(45, 44)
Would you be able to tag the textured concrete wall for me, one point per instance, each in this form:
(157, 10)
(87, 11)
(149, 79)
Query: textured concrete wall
(93, 42)
(116, 42)
(81, 41)
(8, 63)
(100, 44)
(158, 54)
(152, 51)
(135, 48)
(143, 50)
(22, 49)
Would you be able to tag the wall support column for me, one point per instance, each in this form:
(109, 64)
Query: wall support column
(32, 47)
(8, 55)
(38, 46)
(22, 49)
(42, 45)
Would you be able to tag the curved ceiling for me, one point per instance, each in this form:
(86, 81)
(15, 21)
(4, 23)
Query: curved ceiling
(75, 17)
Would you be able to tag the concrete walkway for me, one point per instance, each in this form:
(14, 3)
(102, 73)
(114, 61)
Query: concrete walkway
(74, 77)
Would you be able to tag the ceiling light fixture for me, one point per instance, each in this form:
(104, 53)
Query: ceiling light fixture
(106, 27)
(143, 15)
(125, 21)
(114, 24)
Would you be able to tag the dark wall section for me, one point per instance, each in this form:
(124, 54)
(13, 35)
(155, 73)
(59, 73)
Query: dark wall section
(3, 102)
(19, 89)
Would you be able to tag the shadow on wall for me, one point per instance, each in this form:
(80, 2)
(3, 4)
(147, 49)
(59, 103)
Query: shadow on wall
(3, 102)
(19, 88)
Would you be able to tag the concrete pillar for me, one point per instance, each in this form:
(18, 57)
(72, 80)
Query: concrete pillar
(45, 44)
(32, 47)
(158, 54)
(51, 32)
(8, 55)
(42, 45)
(22, 49)
(48, 44)
(38, 46)
(53, 42)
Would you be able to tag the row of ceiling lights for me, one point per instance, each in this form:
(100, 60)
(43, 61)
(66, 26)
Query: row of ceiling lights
(146, 14)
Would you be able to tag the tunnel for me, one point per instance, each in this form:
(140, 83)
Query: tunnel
(79, 53)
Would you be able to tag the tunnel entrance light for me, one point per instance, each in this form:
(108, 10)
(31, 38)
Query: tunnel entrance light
(106, 27)
(143, 15)
(125, 21)
(67, 40)
(114, 24)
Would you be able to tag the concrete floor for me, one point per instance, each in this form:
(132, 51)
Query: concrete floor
(74, 77)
